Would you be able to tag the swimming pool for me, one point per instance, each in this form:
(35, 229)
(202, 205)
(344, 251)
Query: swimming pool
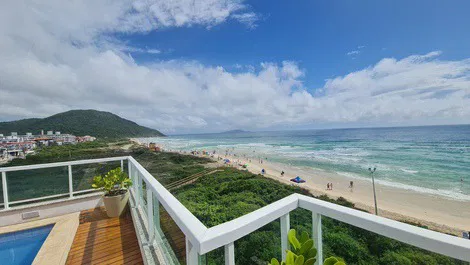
(21, 247)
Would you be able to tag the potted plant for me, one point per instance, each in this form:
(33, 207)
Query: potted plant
(115, 185)
(303, 252)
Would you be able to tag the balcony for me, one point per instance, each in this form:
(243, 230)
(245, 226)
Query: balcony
(158, 229)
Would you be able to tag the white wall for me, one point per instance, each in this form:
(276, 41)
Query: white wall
(50, 209)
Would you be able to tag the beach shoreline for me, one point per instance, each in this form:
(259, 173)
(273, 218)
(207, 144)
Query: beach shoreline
(435, 212)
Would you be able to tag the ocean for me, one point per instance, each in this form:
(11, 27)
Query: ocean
(430, 159)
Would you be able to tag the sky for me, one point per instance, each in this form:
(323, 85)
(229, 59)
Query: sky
(187, 66)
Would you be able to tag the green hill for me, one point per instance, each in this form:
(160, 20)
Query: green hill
(81, 122)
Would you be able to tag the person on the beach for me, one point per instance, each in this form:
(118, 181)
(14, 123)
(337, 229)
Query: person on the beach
(328, 186)
(351, 184)
(331, 186)
(282, 173)
(263, 171)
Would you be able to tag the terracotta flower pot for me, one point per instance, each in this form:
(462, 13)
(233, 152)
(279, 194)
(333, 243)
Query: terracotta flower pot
(115, 205)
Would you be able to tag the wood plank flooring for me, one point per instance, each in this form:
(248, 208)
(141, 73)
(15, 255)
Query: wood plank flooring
(103, 240)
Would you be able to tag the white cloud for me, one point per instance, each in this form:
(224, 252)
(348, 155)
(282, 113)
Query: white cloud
(153, 51)
(248, 19)
(53, 61)
(355, 52)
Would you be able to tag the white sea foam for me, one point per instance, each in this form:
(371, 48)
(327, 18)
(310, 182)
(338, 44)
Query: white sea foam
(409, 171)
(451, 194)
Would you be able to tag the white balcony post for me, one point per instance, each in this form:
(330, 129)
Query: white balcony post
(5, 191)
(285, 226)
(151, 227)
(317, 237)
(192, 257)
(229, 254)
(70, 182)
(122, 165)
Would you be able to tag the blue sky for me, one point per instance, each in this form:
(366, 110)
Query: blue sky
(319, 34)
(215, 65)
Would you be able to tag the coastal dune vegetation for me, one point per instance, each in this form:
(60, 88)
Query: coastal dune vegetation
(227, 194)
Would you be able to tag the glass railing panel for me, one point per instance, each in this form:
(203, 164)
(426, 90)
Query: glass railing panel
(258, 247)
(83, 175)
(217, 256)
(143, 196)
(359, 246)
(171, 239)
(125, 166)
(2, 206)
(34, 183)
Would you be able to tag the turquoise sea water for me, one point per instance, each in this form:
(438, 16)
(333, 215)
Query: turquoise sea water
(430, 159)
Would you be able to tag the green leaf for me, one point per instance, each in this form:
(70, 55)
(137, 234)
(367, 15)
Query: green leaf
(290, 258)
(310, 261)
(115, 180)
(293, 239)
(312, 253)
(274, 262)
(299, 260)
(306, 247)
(330, 261)
(340, 263)
(304, 237)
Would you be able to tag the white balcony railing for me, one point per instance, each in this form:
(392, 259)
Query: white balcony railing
(201, 240)
(7, 203)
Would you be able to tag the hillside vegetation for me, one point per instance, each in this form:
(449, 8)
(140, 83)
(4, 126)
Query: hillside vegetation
(81, 122)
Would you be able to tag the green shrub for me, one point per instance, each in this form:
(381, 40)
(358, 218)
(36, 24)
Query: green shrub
(392, 258)
(345, 246)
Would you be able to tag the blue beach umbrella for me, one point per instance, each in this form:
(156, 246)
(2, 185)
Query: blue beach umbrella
(297, 180)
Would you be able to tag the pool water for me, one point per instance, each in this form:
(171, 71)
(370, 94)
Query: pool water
(21, 247)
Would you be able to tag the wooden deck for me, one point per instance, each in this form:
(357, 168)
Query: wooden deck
(103, 240)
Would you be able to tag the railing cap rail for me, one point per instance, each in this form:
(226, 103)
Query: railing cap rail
(63, 164)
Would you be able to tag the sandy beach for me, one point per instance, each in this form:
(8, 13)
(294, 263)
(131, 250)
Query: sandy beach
(436, 212)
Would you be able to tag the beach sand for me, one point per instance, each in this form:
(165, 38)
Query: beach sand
(436, 212)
